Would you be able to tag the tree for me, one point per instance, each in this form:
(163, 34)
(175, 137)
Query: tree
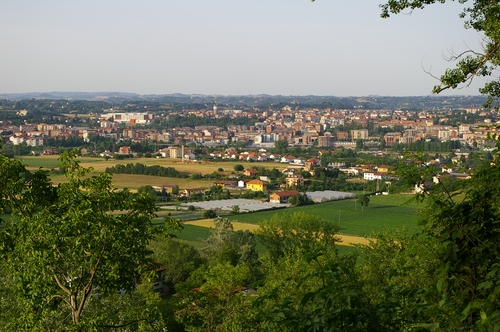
(283, 233)
(175, 190)
(226, 245)
(179, 259)
(281, 145)
(294, 200)
(71, 242)
(363, 200)
(209, 214)
(481, 16)
(235, 209)
(239, 168)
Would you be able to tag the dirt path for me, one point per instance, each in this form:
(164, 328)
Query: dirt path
(345, 240)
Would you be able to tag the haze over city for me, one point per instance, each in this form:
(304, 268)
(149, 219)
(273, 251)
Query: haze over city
(288, 47)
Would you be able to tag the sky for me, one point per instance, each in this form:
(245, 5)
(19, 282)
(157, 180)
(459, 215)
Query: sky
(228, 47)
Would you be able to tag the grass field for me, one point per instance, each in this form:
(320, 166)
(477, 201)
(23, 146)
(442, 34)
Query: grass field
(383, 212)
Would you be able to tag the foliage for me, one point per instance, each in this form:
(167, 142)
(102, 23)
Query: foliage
(218, 302)
(282, 234)
(363, 200)
(138, 168)
(466, 226)
(217, 291)
(235, 209)
(148, 190)
(311, 292)
(71, 242)
(239, 168)
(209, 214)
(395, 268)
(281, 146)
(227, 246)
(178, 258)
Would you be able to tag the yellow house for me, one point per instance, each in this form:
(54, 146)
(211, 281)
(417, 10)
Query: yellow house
(383, 168)
(257, 185)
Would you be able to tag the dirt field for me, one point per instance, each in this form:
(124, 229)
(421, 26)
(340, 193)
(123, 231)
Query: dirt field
(346, 240)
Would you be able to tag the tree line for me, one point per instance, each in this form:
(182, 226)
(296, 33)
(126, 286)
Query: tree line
(139, 168)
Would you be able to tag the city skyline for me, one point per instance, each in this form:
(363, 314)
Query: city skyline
(278, 47)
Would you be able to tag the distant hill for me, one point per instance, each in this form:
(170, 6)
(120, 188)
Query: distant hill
(263, 101)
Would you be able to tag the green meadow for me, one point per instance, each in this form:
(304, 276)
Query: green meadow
(383, 212)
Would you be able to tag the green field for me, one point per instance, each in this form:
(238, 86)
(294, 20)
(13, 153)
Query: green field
(383, 212)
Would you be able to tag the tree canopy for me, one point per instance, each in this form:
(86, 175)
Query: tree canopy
(71, 244)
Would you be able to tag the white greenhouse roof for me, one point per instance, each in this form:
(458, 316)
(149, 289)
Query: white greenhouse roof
(246, 205)
(328, 195)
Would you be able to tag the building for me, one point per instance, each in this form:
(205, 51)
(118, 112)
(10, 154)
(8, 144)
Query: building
(294, 180)
(226, 183)
(325, 141)
(131, 117)
(250, 172)
(359, 134)
(189, 192)
(124, 150)
(392, 138)
(169, 188)
(281, 197)
(257, 185)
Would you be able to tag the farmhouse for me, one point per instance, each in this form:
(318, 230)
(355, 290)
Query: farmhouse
(167, 187)
(250, 172)
(189, 192)
(282, 196)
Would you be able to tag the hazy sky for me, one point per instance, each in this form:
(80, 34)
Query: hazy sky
(229, 47)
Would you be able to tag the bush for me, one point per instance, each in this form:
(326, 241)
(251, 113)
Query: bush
(209, 214)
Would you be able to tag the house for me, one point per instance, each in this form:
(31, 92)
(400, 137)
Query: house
(287, 159)
(225, 183)
(383, 168)
(299, 161)
(294, 180)
(311, 163)
(281, 197)
(189, 192)
(250, 172)
(289, 171)
(165, 152)
(370, 176)
(257, 185)
(167, 187)
(124, 150)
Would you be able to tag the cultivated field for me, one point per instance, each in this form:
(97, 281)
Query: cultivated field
(100, 164)
(134, 181)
